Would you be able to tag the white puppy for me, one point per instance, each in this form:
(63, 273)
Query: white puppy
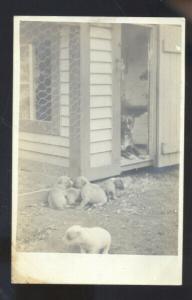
(57, 195)
(90, 193)
(64, 182)
(73, 196)
(110, 186)
(89, 240)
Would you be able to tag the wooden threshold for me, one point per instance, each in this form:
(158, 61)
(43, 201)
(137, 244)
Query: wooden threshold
(130, 164)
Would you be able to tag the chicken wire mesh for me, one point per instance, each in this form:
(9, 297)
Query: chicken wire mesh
(50, 84)
(39, 54)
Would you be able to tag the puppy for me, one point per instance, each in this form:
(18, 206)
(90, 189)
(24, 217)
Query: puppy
(57, 195)
(64, 182)
(110, 189)
(73, 196)
(57, 199)
(91, 194)
(111, 186)
(89, 240)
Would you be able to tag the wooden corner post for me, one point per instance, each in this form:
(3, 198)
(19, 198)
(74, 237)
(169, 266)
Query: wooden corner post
(79, 99)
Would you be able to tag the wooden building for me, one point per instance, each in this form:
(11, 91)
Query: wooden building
(74, 82)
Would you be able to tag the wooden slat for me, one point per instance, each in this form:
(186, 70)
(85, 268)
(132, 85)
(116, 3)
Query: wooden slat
(101, 79)
(60, 161)
(64, 53)
(64, 111)
(64, 77)
(64, 65)
(101, 159)
(64, 131)
(64, 99)
(101, 68)
(101, 112)
(100, 101)
(97, 32)
(64, 88)
(103, 25)
(99, 147)
(44, 149)
(101, 135)
(101, 124)
(100, 44)
(64, 41)
(101, 56)
(100, 90)
(42, 138)
(64, 121)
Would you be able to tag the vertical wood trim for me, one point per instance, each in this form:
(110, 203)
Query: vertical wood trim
(116, 98)
(153, 94)
(85, 99)
(158, 96)
(74, 100)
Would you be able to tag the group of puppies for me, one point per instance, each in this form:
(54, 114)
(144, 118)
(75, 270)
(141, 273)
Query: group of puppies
(81, 193)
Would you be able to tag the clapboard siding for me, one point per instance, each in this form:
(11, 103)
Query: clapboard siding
(64, 81)
(169, 95)
(39, 138)
(100, 101)
(97, 90)
(100, 68)
(44, 158)
(101, 124)
(100, 96)
(101, 113)
(64, 100)
(96, 32)
(100, 147)
(44, 148)
(100, 79)
(100, 56)
(100, 44)
(101, 135)
(101, 159)
(65, 121)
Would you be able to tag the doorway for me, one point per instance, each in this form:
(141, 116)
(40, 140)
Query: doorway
(136, 102)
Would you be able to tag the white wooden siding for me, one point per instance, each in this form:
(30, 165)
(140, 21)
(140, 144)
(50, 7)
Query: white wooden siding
(101, 101)
(38, 138)
(45, 148)
(101, 159)
(44, 158)
(100, 95)
(101, 135)
(101, 79)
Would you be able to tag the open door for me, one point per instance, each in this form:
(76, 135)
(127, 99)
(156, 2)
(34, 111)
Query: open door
(169, 95)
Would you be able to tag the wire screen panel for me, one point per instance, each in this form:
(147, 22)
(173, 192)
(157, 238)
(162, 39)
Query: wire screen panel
(39, 66)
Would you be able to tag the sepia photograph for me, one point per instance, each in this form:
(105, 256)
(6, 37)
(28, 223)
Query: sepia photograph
(98, 142)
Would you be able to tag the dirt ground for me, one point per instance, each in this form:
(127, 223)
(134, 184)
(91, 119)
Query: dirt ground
(143, 221)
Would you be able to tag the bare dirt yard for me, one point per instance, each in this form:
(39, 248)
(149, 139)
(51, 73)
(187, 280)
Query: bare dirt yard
(143, 221)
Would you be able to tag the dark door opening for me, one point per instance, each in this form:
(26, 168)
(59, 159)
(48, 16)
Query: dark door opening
(135, 94)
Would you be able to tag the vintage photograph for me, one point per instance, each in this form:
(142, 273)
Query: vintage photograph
(98, 136)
